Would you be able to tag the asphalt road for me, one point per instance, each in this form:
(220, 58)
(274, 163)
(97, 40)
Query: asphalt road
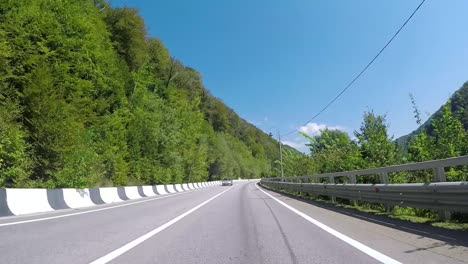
(239, 224)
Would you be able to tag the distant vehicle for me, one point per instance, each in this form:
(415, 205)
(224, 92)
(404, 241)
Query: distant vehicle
(227, 181)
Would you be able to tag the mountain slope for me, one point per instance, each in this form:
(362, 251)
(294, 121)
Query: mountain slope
(458, 104)
(88, 99)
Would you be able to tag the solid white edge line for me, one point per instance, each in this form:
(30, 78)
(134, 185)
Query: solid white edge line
(369, 251)
(92, 211)
(114, 254)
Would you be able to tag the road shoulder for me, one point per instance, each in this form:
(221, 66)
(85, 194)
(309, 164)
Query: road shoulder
(406, 244)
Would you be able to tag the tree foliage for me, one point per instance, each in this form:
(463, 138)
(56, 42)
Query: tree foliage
(87, 98)
(333, 151)
(376, 147)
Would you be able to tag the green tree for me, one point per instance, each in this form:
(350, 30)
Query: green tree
(449, 135)
(88, 99)
(294, 163)
(333, 151)
(419, 146)
(376, 147)
(128, 35)
(63, 74)
(15, 163)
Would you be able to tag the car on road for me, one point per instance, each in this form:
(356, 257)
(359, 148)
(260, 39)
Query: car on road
(227, 182)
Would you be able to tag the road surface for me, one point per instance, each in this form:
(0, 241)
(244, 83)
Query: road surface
(221, 224)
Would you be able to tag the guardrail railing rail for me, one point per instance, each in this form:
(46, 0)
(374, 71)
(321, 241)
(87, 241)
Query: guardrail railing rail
(440, 195)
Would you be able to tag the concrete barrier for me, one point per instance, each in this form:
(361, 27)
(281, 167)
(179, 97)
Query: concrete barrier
(132, 192)
(95, 195)
(110, 195)
(77, 198)
(27, 201)
(56, 199)
(122, 195)
(155, 190)
(4, 210)
(148, 190)
(178, 187)
(170, 188)
(140, 191)
(22, 201)
(161, 190)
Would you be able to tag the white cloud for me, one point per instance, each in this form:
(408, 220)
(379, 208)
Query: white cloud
(296, 144)
(311, 129)
(314, 129)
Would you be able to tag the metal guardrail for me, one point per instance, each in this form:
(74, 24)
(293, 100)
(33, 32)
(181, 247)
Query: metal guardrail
(447, 196)
(443, 196)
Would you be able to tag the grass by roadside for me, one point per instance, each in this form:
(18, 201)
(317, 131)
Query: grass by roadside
(452, 225)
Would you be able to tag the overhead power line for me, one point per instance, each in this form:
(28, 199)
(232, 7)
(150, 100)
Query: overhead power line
(362, 71)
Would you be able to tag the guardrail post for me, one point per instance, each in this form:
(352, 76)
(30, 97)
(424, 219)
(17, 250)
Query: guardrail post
(352, 179)
(384, 180)
(331, 179)
(439, 176)
(384, 177)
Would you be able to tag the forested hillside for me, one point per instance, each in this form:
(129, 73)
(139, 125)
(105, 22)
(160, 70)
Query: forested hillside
(87, 98)
(458, 104)
(444, 135)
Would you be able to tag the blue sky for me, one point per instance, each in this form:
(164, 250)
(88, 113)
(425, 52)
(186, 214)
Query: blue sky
(277, 62)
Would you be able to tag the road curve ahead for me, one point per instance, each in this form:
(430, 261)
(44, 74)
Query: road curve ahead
(239, 224)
